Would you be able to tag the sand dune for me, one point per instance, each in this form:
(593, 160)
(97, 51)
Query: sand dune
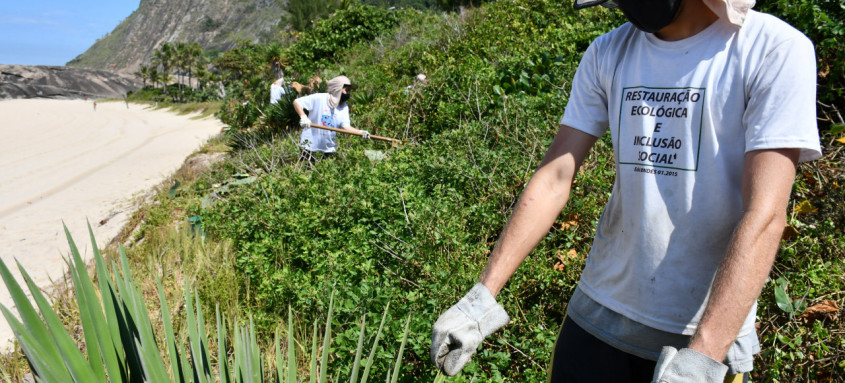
(62, 161)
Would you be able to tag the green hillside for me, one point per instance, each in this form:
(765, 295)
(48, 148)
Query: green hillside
(214, 24)
(416, 228)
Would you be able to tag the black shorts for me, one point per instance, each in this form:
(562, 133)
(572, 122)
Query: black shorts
(580, 357)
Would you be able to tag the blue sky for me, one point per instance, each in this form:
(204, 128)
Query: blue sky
(51, 32)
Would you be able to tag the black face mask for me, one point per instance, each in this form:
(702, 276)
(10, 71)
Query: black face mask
(649, 15)
(344, 97)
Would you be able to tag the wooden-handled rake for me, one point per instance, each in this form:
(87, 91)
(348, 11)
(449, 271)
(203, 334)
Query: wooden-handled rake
(372, 136)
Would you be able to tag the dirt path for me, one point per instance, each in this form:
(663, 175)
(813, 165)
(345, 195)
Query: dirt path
(63, 161)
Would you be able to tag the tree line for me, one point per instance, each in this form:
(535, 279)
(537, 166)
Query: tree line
(189, 61)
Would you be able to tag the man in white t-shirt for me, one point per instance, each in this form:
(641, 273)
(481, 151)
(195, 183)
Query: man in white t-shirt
(326, 109)
(710, 106)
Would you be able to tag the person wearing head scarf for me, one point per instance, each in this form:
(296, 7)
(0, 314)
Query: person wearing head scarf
(709, 106)
(326, 109)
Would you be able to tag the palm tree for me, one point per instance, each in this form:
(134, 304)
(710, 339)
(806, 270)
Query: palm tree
(185, 58)
(195, 55)
(164, 78)
(164, 58)
(153, 73)
(180, 60)
(143, 73)
(202, 77)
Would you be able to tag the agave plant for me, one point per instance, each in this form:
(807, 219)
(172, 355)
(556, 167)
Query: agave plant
(122, 347)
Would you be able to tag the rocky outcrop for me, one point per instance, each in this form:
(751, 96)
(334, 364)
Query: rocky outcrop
(217, 25)
(38, 81)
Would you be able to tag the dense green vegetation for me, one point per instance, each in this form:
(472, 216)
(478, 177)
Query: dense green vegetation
(121, 341)
(413, 226)
(417, 226)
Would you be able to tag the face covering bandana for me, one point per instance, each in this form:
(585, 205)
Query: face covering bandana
(649, 15)
(344, 97)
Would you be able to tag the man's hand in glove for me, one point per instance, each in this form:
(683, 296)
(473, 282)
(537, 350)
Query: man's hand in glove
(365, 134)
(687, 366)
(459, 331)
(304, 122)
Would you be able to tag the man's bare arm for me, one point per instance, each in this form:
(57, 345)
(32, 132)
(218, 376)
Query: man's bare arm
(298, 109)
(766, 185)
(353, 130)
(539, 204)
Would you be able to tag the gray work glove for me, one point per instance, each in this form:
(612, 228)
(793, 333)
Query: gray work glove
(304, 122)
(365, 134)
(687, 366)
(459, 331)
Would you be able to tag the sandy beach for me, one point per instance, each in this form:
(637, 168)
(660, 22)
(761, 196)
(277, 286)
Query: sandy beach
(63, 161)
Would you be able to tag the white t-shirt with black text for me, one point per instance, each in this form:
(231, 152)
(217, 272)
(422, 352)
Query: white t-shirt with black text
(682, 115)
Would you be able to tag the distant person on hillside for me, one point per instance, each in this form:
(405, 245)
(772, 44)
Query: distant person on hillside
(710, 106)
(327, 109)
(419, 81)
(277, 89)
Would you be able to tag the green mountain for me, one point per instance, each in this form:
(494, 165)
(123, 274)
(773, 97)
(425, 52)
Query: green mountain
(214, 24)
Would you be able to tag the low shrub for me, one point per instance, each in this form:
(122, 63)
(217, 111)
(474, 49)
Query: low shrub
(122, 345)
